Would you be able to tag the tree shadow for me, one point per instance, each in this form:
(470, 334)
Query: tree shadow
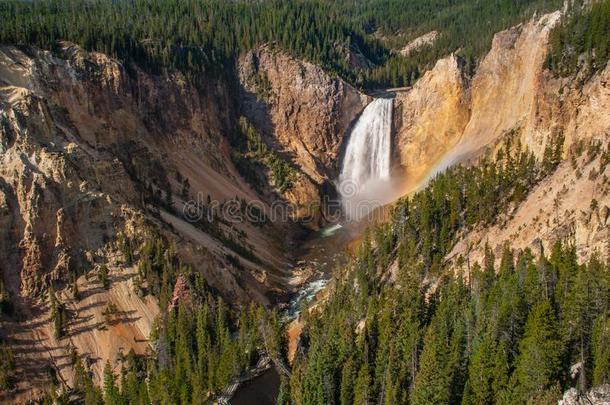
(88, 328)
(91, 292)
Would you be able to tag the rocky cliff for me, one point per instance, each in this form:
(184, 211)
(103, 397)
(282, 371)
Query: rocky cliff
(88, 147)
(91, 154)
(507, 91)
(430, 119)
(447, 118)
(463, 117)
(95, 154)
(285, 97)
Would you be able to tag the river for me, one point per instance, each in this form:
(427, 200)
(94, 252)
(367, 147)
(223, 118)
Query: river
(364, 184)
(324, 251)
(262, 390)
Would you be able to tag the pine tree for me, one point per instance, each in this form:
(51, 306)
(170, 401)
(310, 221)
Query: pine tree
(507, 261)
(362, 385)
(539, 362)
(440, 377)
(432, 381)
(501, 373)
(57, 313)
(601, 351)
(203, 341)
(283, 397)
(111, 391)
(481, 372)
(346, 389)
(102, 276)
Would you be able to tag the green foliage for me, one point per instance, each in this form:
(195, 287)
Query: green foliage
(553, 153)
(200, 343)
(111, 391)
(159, 268)
(7, 370)
(250, 153)
(477, 344)
(581, 40)
(204, 37)
(362, 385)
(103, 276)
(509, 336)
(484, 370)
(195, 37)
(57, 313)
(262, 86)
(438, 379)
(201, 349)
(601, 351)
(124, 244)
(465, 27)
(83, 385)
(283, 397)
(538, 365)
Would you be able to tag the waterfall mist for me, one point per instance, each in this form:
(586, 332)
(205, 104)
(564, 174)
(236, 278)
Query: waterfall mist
(365, 182)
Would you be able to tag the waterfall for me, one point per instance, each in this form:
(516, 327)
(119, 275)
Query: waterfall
(366, 165)
(367, 156)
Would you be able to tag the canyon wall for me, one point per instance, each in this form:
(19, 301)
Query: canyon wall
(86, 146)
(88, 153)
(300, 108)
(447, 118)
(94, 153)
(430, 118)
(305, 114)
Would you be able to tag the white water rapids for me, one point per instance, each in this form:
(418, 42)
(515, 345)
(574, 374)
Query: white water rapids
(364, 182)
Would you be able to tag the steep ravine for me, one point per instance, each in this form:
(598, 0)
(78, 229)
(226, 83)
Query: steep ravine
(89, 149)
(448, 118)
(88, 152)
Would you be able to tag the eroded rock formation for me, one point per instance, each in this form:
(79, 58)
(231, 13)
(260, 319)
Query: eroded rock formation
(446, 119)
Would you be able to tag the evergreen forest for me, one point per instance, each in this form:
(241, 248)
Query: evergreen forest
(205, 36)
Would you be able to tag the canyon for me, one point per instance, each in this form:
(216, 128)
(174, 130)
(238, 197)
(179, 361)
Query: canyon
(94, 153)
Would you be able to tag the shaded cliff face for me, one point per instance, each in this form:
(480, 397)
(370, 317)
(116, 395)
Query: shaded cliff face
(88, 153)
(300, 108)
(445, 119)
(81, 143)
